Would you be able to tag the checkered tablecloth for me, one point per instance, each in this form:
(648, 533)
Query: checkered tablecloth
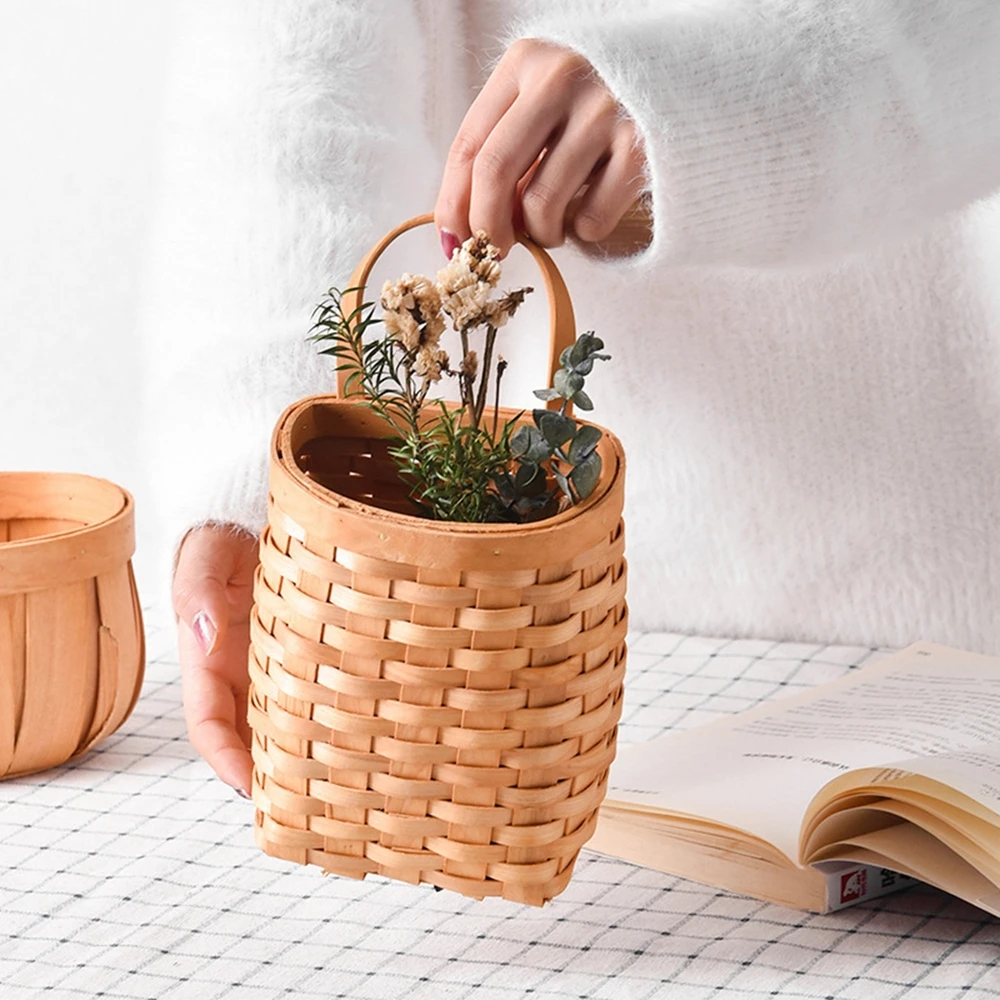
(133, 873)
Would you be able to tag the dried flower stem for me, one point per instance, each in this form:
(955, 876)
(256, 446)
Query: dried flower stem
(501, 368)
(465, 380)
(477, 413)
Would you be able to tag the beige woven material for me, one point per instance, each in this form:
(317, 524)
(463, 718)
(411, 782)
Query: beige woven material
(430, 701)
(71, 641)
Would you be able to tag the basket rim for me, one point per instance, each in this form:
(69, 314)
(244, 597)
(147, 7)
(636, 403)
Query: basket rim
(58, 557)
(68, 479)
(282, 452)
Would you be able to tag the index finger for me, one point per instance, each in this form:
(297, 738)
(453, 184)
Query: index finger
(451, 213)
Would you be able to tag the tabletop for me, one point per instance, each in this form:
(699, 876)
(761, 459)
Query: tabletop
(132, 873)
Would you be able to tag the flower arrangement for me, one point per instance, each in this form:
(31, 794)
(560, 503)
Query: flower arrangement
(460, 462)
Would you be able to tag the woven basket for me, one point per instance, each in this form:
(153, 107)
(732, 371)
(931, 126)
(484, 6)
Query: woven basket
(71, 640)
(431, 701)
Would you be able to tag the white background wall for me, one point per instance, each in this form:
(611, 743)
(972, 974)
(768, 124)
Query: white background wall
(80, 85)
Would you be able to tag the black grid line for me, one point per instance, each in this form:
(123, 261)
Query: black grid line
(132, 873)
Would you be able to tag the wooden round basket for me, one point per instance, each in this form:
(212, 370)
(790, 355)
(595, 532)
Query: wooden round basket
(431, 701)
(71, 640)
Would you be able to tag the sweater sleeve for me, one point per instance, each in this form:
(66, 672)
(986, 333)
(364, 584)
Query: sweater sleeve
(295, 135)
(785, 131)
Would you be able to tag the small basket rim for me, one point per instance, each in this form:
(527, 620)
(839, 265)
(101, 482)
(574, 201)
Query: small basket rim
(57, 557)
(68, 478)
(282, 436)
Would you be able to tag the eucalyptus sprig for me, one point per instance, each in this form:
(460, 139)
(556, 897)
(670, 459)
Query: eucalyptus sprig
(556, 448)
(458, 465)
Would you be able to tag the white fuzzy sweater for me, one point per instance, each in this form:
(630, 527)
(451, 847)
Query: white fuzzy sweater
(807, 359)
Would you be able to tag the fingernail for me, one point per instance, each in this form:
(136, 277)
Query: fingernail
(204, 631)
(242, 793)
(449, 242)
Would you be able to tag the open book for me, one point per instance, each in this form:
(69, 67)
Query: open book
(894, 768)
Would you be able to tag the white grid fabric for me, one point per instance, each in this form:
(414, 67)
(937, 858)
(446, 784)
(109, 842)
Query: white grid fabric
(132, 873)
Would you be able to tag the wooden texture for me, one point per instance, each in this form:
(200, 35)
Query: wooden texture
(430, 701)
(71, 641)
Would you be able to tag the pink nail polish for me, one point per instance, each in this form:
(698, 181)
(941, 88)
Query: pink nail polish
(449, 242)
(242, 793)
(204, 632)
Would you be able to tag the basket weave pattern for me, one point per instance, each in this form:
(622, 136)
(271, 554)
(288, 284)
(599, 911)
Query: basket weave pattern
(446, 726)
(430, 701)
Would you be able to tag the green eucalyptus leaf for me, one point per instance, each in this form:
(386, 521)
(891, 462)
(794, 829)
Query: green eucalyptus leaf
(567, 383)
(586, 344)
(584, 443)
(520, 442)
(556, 428)
(586, 475)
(581, 399)
(529, 445)
(529, 480)
(526, 471)
(564, 358)
(548, 394)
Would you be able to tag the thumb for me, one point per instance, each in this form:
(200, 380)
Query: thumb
(204, 566)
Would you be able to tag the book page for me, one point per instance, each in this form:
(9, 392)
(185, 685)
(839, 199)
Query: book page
(759, 770)
(974, 772)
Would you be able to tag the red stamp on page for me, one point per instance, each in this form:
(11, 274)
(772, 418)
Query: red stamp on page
(853, 885)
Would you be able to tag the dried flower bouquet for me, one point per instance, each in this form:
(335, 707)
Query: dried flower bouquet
(459, 465)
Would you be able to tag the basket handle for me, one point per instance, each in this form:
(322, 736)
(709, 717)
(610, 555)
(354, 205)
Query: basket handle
(562, 324)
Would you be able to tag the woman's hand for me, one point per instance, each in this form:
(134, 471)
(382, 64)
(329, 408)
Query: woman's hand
(212, 596)
(543, 128)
